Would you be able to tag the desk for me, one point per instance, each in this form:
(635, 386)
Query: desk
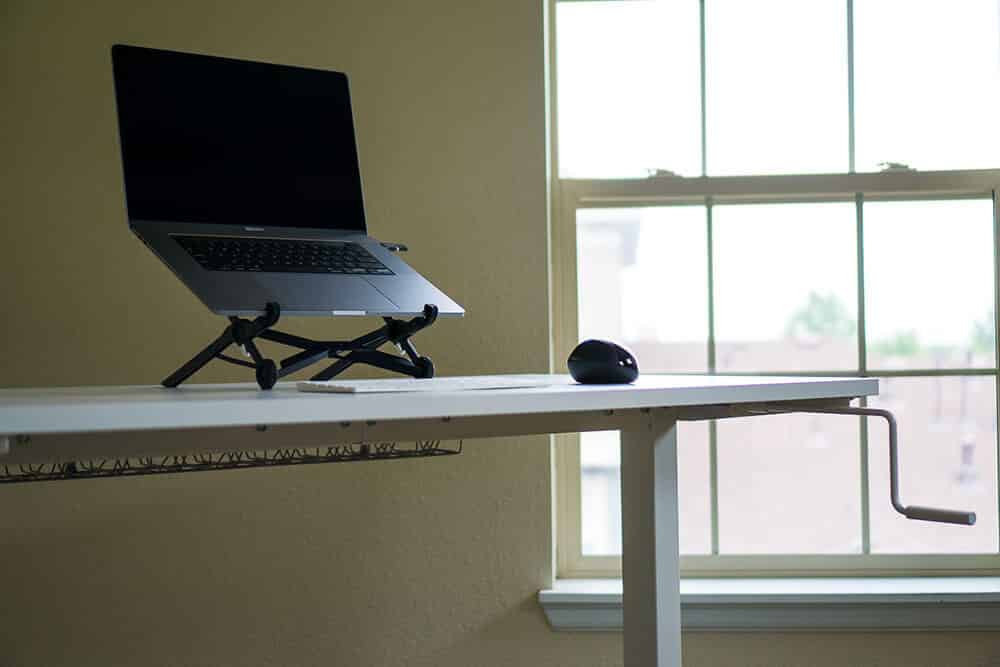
(39, 425)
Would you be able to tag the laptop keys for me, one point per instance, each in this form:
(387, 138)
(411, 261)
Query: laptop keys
(217, 253)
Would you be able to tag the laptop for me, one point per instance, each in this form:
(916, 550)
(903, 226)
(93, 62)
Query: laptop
(243, 178)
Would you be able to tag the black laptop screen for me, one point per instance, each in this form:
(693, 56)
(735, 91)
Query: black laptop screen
(215, 140)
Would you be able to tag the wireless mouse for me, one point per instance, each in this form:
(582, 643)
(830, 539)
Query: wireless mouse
(602, 362)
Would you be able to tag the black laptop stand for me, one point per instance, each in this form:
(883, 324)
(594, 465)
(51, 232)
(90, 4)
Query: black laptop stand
(361, 350)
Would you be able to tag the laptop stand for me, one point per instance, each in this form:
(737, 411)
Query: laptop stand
(361, 350)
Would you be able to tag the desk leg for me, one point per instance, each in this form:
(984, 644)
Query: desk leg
(650, 558)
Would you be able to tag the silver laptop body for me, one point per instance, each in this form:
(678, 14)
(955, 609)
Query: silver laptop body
(243, 178)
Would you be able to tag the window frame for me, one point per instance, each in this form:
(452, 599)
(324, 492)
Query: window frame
(568, 195)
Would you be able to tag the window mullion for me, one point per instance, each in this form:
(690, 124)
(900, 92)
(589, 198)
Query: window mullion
(862, 370)
(850, 87)
(713, 449)
(859, 200)
(713, 432)
(713, 463)
(704, 104)
(710, 246)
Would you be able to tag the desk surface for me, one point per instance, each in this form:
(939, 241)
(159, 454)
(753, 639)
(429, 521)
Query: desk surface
(97, 409)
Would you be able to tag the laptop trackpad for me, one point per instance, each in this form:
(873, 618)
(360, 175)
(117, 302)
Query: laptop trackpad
(313, 292)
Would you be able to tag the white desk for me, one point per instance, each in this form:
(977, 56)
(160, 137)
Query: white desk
(38, 425)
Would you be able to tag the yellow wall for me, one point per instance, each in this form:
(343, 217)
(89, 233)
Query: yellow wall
(405, 563)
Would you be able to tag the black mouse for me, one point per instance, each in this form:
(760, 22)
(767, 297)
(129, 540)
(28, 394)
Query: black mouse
(602, 362)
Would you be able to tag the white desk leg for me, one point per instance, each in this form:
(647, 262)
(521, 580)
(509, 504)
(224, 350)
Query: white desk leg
(650, 558)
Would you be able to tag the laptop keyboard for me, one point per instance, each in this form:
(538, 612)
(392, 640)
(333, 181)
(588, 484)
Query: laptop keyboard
(228, 253)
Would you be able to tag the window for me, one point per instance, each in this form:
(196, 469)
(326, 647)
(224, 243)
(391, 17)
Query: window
(778, 187)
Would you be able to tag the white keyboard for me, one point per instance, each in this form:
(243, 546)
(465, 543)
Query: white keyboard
(396, 385)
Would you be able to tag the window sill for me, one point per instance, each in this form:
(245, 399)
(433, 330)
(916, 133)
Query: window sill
(967, 603)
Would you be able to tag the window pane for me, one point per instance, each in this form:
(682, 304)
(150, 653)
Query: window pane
(927, 84)
(642, 280)
(629, 91)
(947, 458)
(600, 463)
(776, 86)
(789, 484)
(600, 493)
(785, 287)
(929, 284)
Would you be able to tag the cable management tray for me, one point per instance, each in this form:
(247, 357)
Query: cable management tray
(229, 460)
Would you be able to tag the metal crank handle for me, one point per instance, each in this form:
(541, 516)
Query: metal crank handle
(916, 512)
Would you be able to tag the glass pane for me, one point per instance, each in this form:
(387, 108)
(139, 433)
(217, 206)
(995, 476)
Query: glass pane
(642, 280)
(927, 84)
(600, 463)
(785, 287)
(929, 284)
(789, 484)
(600, 493)
(629, 91)
(947, 458)
(776, 86)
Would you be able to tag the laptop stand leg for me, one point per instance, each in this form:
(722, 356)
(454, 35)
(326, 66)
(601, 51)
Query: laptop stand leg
(421, 367)
(241, 332)
(333, 370)
(361, 350)
(213, 350)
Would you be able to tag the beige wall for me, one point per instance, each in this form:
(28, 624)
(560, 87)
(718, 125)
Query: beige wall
(405, 563)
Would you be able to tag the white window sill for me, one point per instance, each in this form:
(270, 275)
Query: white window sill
(968, 603)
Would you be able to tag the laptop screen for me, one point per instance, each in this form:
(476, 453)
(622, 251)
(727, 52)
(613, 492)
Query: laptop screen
(215, 140)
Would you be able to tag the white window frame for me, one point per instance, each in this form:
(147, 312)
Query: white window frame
(570, 195)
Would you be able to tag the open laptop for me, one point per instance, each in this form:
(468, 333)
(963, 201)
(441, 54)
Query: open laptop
(243, 178)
